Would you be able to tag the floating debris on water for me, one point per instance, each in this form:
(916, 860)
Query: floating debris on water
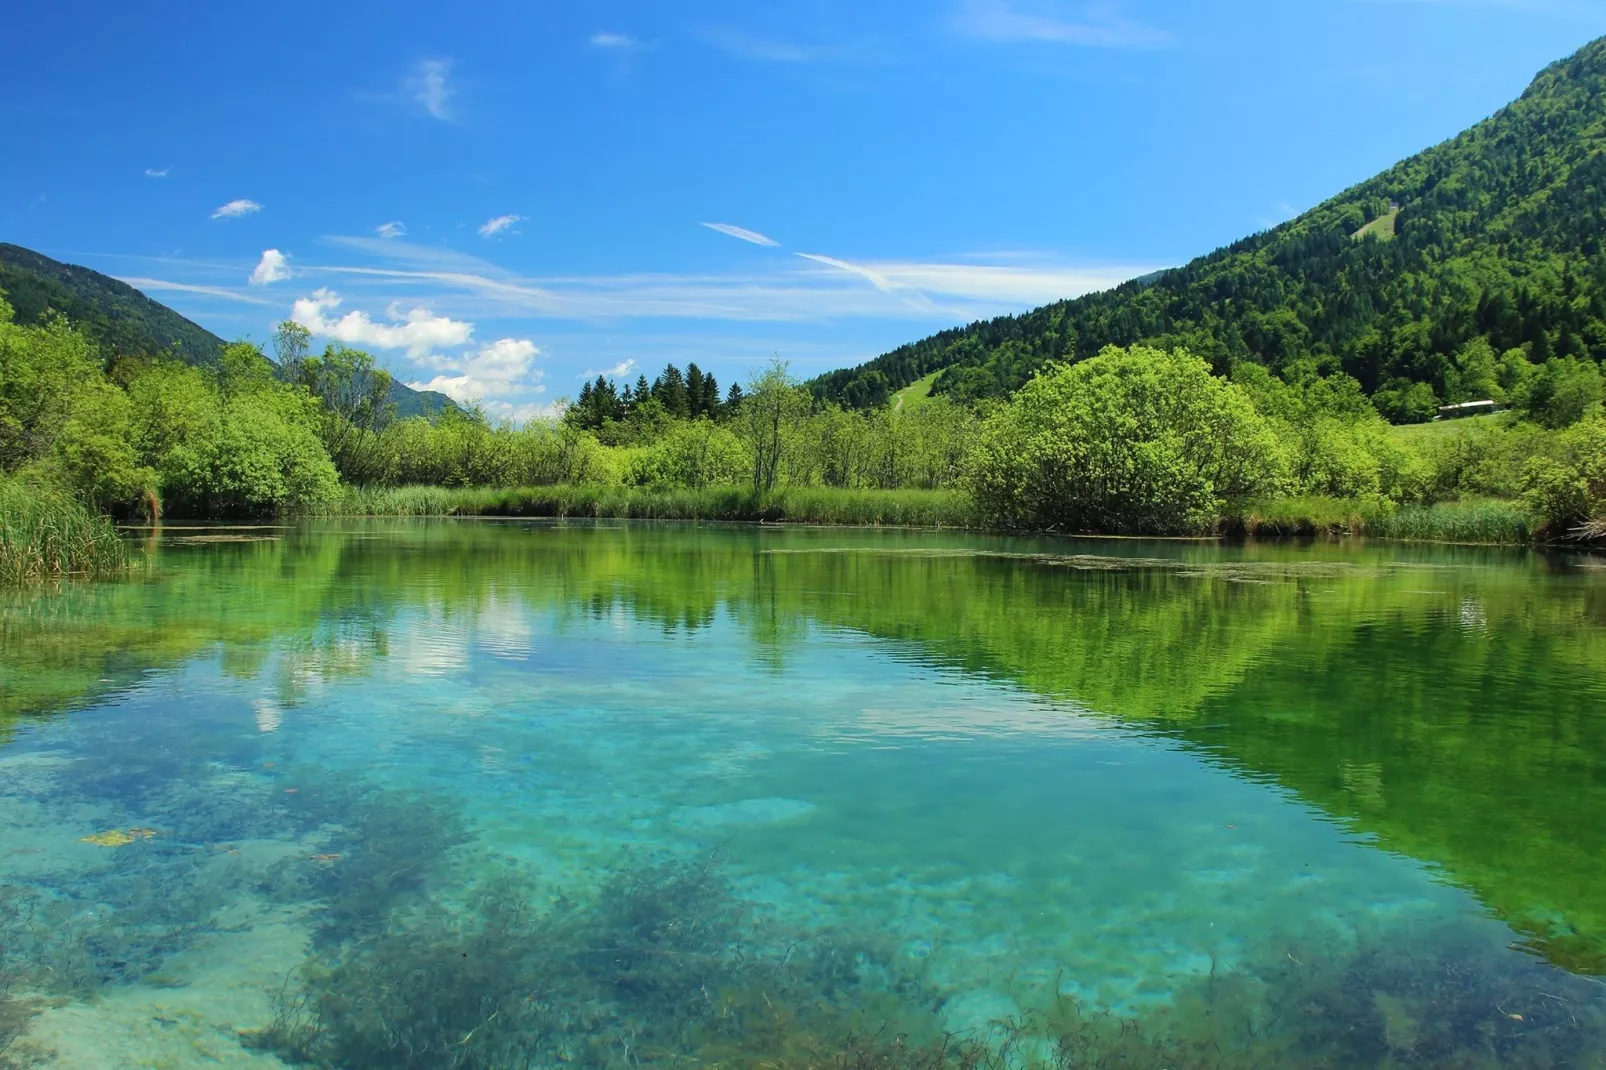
(118, 837)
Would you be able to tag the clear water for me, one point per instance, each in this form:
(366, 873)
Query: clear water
(1276, 805)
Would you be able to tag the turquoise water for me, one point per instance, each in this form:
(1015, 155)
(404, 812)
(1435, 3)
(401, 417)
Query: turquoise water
(1008, 776)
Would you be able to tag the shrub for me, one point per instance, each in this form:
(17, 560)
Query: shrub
(1567, 488)
(1138, 440)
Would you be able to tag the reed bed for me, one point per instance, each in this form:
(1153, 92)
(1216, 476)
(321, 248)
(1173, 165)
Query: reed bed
(1484, 521)
(796, 505)
(1487, 521)
(46, 534)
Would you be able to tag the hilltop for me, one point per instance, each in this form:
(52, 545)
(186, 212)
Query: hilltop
(124, 322)
(1496, 234)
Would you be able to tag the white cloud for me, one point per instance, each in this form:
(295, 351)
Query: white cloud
(876, 278)
(818, 289)
(236, 209)
(140, 283)
(273, 267)
(498, 376)
(418, 330)
(618, 371)
(492, 227)
(429, 88)
(613, 40)
(743, 233)
(1098, 25)
(394, 229)
(157, 172)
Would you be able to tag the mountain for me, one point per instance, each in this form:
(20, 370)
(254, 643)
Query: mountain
(124, 321)
(1496, 234)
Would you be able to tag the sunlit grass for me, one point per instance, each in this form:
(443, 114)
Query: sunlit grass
(46, 533)
(1484, 521)
(797, 505)
(1478, 521)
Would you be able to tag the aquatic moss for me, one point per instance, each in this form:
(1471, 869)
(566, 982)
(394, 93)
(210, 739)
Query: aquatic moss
(379, 848)
(662, 960)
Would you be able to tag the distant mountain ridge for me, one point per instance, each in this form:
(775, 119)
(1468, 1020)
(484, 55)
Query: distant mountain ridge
(1495, 234)
(124, 322)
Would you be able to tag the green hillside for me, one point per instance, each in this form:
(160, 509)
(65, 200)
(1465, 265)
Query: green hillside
(124, 322)
(1496, 234)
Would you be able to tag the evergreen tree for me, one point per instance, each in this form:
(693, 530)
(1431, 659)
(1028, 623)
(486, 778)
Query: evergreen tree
(694, 390)
(670, 390)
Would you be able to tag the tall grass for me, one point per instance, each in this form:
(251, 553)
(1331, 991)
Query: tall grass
(1484, 521)
(797, 505)
(45, 533)
(1478, 521)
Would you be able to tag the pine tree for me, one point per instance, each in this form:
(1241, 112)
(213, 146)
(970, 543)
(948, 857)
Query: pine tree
(694, 390)
(670, 390)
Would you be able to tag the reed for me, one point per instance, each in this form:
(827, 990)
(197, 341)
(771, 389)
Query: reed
(1478, 521)
(1485, 521)
(45, 534)
(797, 505)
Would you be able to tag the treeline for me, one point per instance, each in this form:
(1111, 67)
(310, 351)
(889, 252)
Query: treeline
(1138, 440)
(139, 436)
(1491, 241)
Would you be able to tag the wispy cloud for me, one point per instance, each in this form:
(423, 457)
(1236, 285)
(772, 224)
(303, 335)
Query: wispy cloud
(492, 227)
(157, 172)
(394, 229)
(141, 283)
(273, 267)
(743, 233)
(1561, 8)
(746, 46)
(615, 41)
(417, 330)
(1097, 25)
(236, 209)
(429, 89)
(618, 371)
(829, 289)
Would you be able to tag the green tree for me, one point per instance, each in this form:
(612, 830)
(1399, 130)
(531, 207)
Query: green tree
(1139, 440)
(766, 421)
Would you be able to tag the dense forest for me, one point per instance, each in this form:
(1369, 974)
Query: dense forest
(1491, 241)
(122, 322)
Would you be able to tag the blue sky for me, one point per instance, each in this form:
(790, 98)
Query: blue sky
(497, 199)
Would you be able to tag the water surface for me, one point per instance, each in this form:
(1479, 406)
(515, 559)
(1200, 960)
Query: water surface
(979, 780)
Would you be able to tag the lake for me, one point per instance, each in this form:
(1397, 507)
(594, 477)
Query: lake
(494, 794)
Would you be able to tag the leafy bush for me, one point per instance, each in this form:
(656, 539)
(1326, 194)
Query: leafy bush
(695, 454)
(1567, 487)
(1137, 440)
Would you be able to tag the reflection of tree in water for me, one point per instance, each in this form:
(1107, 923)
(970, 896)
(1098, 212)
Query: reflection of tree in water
(1361, 687)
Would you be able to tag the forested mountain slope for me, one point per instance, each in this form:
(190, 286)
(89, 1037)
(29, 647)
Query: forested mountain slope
(1496, 234)
(124, 322)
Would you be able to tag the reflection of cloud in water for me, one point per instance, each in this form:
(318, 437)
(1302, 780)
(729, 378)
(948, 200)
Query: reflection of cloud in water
(503, 629)
(430, 646)
(962, 719)
(269, 716)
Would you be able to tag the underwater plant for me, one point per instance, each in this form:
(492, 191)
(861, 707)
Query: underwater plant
(379, 848)
(663, 961)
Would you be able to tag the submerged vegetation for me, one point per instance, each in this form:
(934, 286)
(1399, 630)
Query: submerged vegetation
(425, 947)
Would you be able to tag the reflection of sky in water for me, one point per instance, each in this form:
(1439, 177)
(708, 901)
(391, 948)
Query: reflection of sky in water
(1007, 841)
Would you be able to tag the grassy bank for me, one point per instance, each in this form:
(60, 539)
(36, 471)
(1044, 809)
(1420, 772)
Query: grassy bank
(1482, 522)
(45, 533)
(797, 505)
(1479, 521)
